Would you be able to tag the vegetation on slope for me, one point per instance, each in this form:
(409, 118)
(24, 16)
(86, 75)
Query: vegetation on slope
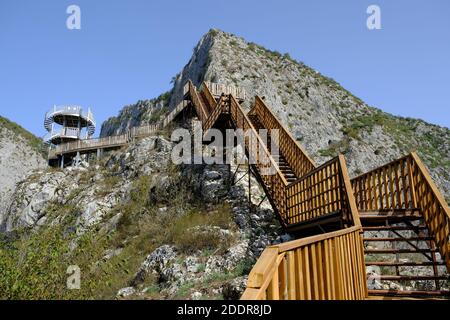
(33, 265)
(34, 142)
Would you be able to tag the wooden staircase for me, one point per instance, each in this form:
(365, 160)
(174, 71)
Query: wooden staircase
(397, 205)
(279, 158)
(405, 244)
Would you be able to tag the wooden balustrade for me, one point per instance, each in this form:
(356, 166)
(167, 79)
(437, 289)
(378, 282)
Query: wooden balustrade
(297, 158)
(322, 192)
(218, 89)
(329, 266)
(219, 108)
(433, 206)
(208, 97)
(386, 188)
(406, 184)
(267, 167)
(200, 108)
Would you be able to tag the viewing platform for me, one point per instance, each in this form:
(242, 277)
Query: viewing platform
(66, 124)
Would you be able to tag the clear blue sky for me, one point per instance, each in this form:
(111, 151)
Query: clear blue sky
(130, 50)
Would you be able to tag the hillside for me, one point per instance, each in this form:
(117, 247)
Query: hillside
(20, 154)
(137, 226)
(321, 114)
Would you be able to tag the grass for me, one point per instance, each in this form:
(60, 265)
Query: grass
(107, 185)
(33, 142)
(336, 148)
(186, 232)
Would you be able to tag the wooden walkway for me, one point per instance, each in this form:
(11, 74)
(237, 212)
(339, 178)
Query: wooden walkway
(112, 142)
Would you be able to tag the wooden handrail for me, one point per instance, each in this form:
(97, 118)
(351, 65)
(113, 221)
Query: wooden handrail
(386, 188)
(329, 266)
(208, 96)
(406, 184)
(276, 181)
(433, 206)
(197, 102)
(217, 109)
(323, 191)
(294, 153)
(218, 89)
(348, 192)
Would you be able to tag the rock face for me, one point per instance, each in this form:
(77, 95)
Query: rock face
(91, 192)
(139, 188)
(19, 157)
(323, 116)
(140, 113)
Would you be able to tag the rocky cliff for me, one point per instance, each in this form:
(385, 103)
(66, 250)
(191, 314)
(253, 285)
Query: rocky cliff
(326, 118)
(20, 154)
(140, 113)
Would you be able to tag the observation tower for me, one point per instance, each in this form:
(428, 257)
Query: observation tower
(68, 123)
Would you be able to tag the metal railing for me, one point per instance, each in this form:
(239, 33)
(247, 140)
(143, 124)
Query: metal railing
(73, 133)
(117, 140)
(71, 110)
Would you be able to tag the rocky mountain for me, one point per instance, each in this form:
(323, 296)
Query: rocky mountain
(326, 118)
(139, 227)
(20, 154)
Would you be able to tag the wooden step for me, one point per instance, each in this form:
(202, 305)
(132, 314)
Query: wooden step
(405, 293)
(393, 251)
(411, 278)
(403, 264)
(398, 239)
(409, 214)
(393, 228)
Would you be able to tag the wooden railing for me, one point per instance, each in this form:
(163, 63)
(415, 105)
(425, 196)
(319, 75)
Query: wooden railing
(199, 106)
(406, 184)
(218, 89)
(208, 97)
(295, 155)
(117, 140)
(265, 162)
(323, 191)
(329, 266)
(433, 207)
(218, 108)
(386, 188)
(81, 145)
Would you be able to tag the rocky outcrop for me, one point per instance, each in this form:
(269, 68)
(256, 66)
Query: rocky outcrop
(19, 156)
(141, 113)
(90, 191)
